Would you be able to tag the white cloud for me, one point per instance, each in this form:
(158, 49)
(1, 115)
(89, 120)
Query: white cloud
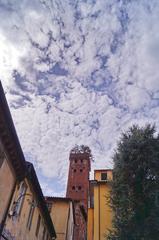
(86, 71)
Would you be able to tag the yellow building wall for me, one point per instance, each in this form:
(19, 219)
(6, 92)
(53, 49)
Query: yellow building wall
(102, 211)
(96, 214)
(59, 214)
(90, 224)
(100, 217)
(7, 181)
(17, 225)
(97, 174)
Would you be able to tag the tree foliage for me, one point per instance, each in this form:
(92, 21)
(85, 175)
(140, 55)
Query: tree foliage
(135, 187)
(82, 149)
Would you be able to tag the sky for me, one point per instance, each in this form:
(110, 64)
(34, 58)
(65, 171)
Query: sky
(78, 72)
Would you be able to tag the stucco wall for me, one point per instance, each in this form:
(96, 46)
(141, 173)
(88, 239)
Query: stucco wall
(100, 215)
(17, 225)
(90, 224)
(7, 181)
(97, 174)
(59, 214)
(102, 211)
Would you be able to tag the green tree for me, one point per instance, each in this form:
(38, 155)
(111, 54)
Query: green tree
(135, 186)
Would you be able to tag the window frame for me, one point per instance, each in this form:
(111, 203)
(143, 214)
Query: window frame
(21, 198)
(38, 225)
(49, 206)
(2, 156)
(104, 174)
(30, 215)
(44, 232)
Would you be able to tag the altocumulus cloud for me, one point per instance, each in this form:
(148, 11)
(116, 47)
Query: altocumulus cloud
(78, 72)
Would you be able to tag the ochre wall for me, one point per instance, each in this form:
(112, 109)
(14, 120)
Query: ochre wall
(17, 225)
(97, 174)
(102, 211)
(90, 224)
(59, 214)
(100, 217)
(7, 181)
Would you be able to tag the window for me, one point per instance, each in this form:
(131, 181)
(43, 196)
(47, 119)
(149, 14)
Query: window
(103, 176)
(30, 216)
(44, 233)
(73, 188)
(1, 157)
(38, 225)
(81, 170)
(74, 170)
(75, 160)
(49, 206)
(79, 187)
(20, 200)
(81, 160)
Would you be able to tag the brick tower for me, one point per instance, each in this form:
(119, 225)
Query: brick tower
(78, 187)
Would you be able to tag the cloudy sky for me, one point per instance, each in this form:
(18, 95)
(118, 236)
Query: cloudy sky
(78, 72)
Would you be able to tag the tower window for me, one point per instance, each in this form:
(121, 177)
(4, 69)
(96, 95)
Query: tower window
(81, 170)
(75, 160)
(81, 160)
(75, 170)
(73, 188)
(103, 176)
(79, 187)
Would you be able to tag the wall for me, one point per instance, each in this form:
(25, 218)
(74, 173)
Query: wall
(97, 174)
(70, 225)
(102, 211)
(78, 188)
(80, 230)
(78, 179)
(60, 212)
(17, 225)
(100, 214)
(90, 224)
(7, 181)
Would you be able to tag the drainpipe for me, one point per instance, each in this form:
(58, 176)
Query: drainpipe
(7, 209)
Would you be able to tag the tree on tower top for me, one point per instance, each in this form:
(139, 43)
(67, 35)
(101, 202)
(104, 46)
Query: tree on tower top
(82, 149)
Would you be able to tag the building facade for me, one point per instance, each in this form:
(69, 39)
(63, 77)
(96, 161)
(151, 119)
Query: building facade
(28, 216)
(12, 163)
(23, 211)
(78, 188)
(99, 211)
(62, 212)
